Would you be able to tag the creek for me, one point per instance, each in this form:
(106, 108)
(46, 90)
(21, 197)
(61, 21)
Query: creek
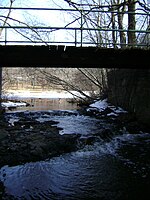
(114, 168)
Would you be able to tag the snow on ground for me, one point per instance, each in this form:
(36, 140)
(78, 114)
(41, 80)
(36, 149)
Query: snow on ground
(24, 94)
(117, 109)
(12, 120)
(13, 104)
(44, 94)
(101, 105)
(112, 114)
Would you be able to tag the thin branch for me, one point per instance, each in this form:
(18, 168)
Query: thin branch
(20, 22)
(89, 78)
(7, 17)
(63, 83)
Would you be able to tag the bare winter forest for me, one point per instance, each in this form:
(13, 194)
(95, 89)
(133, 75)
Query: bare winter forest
(67, 79)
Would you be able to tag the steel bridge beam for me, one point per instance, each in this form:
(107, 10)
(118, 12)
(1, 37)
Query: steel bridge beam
(70, 56)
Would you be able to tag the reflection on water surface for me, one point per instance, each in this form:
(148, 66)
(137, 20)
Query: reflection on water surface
(48, 104)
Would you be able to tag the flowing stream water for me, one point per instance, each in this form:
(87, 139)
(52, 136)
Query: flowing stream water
(114, 169)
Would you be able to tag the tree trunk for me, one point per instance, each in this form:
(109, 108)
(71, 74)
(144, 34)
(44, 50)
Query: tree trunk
(120, 25)
(131, 23)
(113, 27)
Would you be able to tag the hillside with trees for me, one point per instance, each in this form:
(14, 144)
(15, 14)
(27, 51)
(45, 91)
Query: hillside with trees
(93, 80)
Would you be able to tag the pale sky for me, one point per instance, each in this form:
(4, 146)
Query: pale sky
(46, 18)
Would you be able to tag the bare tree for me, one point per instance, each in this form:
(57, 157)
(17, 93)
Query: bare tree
(120, 16)
(106, 23)
(131, 23)
(113, 15)
(7, 16)
(86, 82)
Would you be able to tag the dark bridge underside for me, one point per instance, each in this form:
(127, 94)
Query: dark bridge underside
(59, 56)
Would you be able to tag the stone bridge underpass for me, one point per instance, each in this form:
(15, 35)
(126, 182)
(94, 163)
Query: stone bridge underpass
(71, 56)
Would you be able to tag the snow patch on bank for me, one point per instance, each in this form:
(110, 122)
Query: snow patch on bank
(13, 104)
(101, 105)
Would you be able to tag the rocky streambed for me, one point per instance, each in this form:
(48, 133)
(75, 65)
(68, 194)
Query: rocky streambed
(75, 147)
(26, 139)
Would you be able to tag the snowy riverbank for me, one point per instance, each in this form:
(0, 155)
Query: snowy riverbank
(11, 94)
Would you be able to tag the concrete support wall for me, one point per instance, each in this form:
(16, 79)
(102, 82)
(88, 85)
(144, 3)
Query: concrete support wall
(130, 89)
